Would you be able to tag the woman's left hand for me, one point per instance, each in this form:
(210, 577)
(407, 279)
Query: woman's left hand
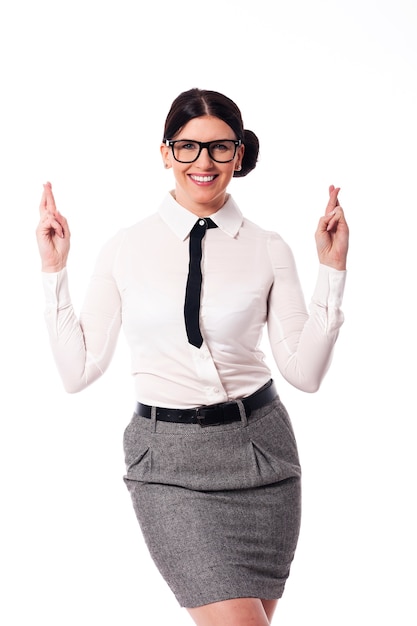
(332, 234)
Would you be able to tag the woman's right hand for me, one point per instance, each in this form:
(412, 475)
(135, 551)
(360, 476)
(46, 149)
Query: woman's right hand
(52, 233)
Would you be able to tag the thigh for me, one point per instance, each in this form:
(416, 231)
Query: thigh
(236, 612)
(269, 607)
(211, 547)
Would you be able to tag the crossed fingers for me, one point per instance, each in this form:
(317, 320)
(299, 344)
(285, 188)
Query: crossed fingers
(51, 219)
(334, 211)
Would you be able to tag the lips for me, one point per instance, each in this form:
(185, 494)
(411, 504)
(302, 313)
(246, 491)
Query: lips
(202, 179)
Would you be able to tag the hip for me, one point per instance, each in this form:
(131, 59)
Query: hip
(259, 449)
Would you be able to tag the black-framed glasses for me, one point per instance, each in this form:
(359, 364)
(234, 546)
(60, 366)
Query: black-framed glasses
(188, 150)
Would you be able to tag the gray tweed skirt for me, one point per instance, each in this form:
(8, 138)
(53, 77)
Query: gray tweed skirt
(219, 507)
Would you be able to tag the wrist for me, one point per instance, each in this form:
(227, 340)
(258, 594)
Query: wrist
(341, 267)
(53, 269)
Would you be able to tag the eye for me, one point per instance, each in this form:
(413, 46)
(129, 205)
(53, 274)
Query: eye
(186, 145)
(221, 146)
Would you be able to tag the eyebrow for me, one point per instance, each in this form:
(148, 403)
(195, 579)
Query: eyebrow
(198, 141)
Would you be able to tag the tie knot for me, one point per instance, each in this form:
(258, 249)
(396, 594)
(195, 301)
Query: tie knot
(201, 226)
(210, 223)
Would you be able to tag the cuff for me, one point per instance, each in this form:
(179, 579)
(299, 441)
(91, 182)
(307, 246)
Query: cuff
(55, 285)
(330, 287)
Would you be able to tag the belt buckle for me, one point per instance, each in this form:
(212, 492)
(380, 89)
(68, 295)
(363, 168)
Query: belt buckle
(202, 413)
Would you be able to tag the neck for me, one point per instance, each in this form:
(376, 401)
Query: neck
(201, 209)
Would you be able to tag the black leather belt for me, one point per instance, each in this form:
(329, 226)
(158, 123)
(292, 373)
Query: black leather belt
(212, 414)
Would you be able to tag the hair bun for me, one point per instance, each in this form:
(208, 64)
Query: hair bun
(250, 157)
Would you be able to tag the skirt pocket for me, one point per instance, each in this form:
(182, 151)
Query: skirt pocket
(212, 459)
(137, 451)
(274, 446)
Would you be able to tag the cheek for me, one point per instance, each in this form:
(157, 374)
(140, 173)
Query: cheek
(230, 172)
(178, 171)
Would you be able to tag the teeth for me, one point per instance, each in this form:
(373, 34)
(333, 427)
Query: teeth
(203, 179)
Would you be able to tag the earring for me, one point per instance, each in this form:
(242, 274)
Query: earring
(166, 166)
(238, 168)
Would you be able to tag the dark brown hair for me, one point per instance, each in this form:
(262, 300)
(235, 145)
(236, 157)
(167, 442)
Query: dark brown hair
(199, 102)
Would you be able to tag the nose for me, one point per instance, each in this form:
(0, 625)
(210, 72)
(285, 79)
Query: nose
(204, 160)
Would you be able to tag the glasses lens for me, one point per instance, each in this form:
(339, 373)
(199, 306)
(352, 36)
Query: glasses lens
(186, 151)
(222, 151)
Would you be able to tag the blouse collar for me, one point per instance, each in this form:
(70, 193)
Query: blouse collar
(229, 218)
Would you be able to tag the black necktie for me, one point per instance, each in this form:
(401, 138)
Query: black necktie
(193, 289)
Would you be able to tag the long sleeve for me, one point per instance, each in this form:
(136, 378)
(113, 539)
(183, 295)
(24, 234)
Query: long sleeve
(302, 342)
(83, 347)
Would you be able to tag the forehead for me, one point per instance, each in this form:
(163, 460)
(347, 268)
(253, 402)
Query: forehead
(206, 128)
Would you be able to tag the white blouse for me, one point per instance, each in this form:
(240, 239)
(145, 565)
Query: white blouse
(249, 280)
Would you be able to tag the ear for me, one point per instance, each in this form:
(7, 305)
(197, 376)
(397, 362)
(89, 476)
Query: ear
(239, 157)
(166, 155)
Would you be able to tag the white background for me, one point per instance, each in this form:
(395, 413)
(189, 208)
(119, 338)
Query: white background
(330, 90)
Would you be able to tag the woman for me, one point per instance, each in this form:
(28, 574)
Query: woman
(212, 463)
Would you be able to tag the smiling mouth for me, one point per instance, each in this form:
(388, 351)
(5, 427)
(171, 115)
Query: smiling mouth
(202, 179)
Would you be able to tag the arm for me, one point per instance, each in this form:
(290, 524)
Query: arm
(83, 347)
(302, 342)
